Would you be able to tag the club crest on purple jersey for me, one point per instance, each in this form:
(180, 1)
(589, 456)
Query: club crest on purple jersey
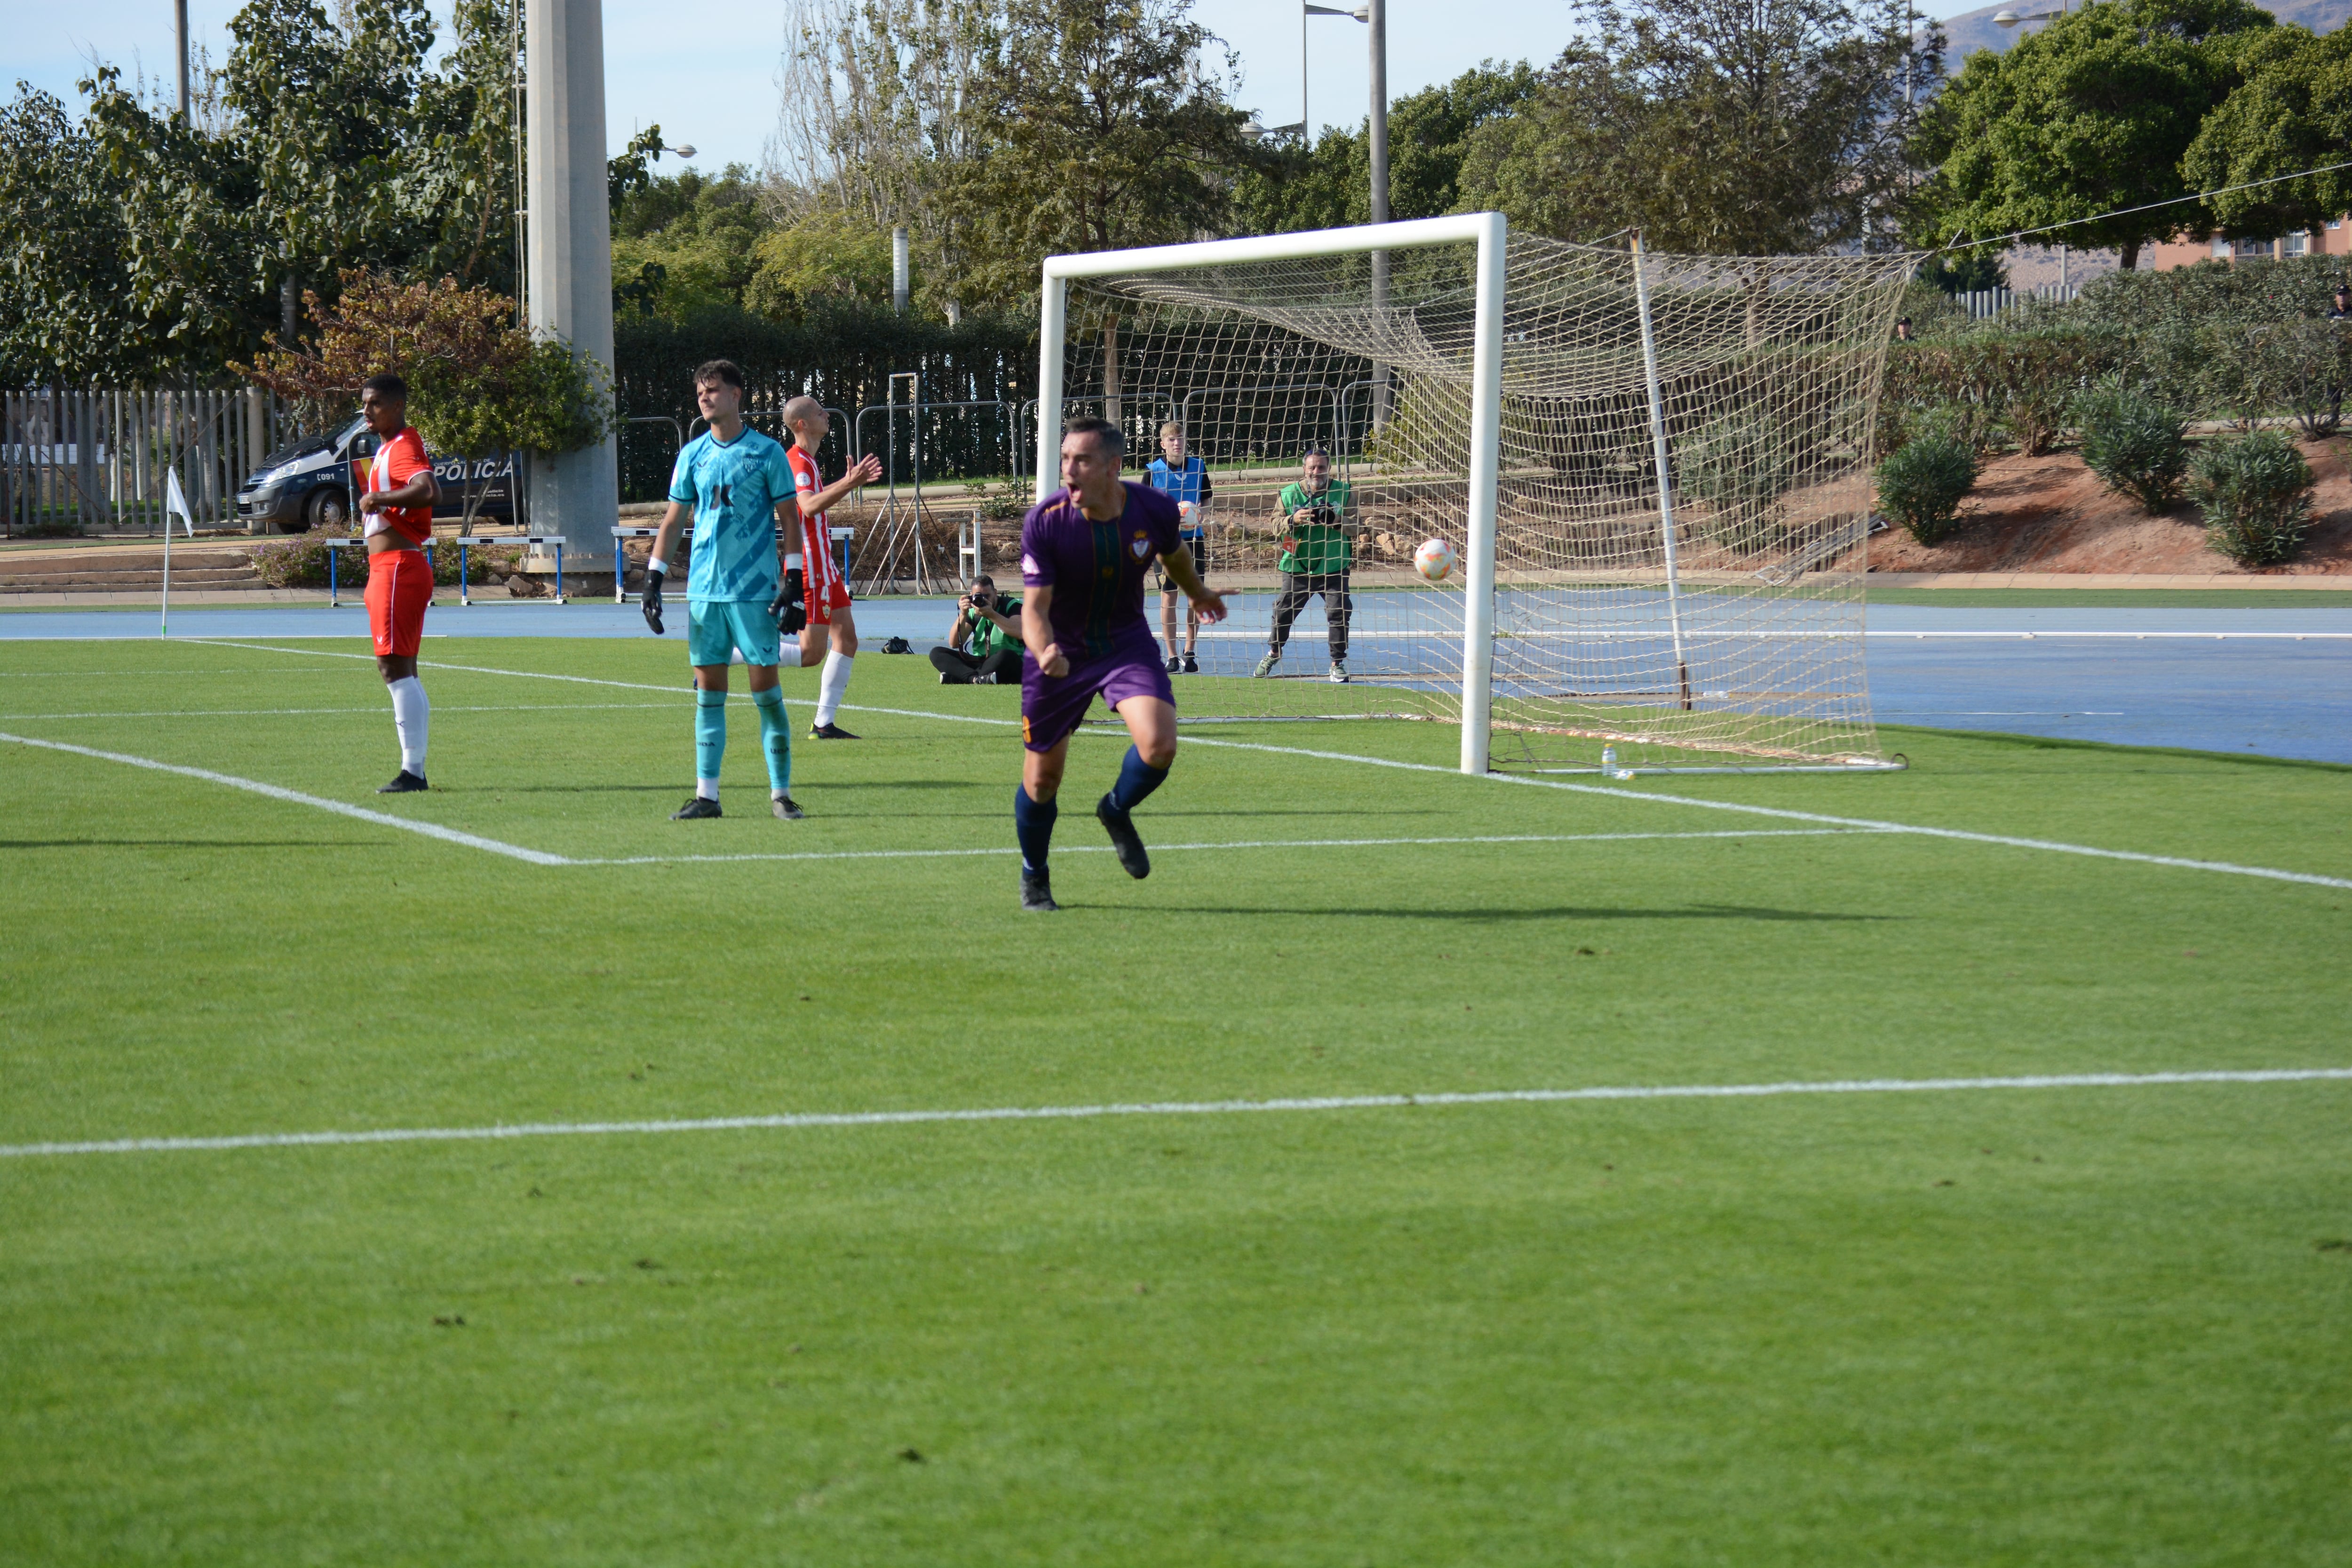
(1141, 544)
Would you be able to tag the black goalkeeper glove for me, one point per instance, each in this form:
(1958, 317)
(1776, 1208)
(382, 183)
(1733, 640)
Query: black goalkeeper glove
(652, 598)
(791, 614)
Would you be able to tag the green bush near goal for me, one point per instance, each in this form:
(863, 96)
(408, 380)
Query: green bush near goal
(1922, 484)
(2255, 493)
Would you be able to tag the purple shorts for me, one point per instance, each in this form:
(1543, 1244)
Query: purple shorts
(1051, 711)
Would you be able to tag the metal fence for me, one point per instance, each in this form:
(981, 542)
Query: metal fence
(96, 460)
(1984, 303)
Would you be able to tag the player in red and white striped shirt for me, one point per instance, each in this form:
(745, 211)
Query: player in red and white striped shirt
(830, 638)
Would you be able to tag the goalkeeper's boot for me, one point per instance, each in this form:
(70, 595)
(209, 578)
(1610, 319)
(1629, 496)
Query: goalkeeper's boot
(1191, 665)
(1124, 838)
(829, 732)
(1036, 891)
(1265, 666)
(1338, 672)
(406, 783)
(786, 808)
(1174, 664)
(695, 810)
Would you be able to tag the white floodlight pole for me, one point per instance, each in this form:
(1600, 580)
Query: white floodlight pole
(569, 250)
(1486, 230)
(1666, 474)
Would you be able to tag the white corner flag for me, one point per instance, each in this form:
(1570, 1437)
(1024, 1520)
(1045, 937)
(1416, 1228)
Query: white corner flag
(175, 504)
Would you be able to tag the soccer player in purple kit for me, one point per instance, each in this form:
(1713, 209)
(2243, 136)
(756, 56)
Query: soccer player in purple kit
(1085, 552)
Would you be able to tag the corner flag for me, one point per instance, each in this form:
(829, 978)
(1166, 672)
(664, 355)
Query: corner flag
(175, 504)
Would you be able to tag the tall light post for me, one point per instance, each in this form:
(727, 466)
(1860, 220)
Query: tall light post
(1374, 14)
(180, 34)
(569, 245)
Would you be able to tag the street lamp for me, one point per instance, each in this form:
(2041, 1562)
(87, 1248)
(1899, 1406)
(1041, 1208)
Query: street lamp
(1375, 15)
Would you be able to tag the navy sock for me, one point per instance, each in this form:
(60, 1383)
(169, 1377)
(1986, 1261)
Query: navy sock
(1137, 780)
(1034, 825)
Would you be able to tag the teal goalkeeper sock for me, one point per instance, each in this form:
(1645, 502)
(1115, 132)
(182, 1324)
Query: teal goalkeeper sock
(709, 733)
(776, 735)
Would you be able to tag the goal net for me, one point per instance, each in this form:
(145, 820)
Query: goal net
(1712, 619)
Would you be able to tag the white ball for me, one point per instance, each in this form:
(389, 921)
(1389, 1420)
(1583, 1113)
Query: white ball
(1183, 508)
(1434, 560)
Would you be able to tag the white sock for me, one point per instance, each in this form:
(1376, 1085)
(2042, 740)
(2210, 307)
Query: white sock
(410, 713)
(706, 789)
(832, 685)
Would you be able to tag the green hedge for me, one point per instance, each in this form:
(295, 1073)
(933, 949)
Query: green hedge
(1922, 483)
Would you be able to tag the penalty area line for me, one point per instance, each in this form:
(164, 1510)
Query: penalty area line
(1168, 1108)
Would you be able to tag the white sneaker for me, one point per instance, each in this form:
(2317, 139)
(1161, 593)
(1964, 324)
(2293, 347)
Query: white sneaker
(1338, 672)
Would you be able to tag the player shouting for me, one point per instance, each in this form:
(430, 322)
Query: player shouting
(739, 487)
(398, 505)
(831, 636)
(1084, 553)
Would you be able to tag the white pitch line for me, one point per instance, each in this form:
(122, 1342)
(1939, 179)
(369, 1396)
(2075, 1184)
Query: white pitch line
(1960, 834)
(1166, 1108)
(296, 797)
(2051, 845)
(1237, 843)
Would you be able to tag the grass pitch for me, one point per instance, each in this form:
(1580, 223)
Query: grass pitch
(1981, 1326)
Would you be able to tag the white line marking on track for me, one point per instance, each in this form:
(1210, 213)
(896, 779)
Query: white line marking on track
(1869, 825)
(1170, 1108)
(296, 797)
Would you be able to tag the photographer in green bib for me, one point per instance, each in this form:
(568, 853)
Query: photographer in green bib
(984, 645)
(1317, 551)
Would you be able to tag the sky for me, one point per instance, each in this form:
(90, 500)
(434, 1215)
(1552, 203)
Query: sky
(721, 101)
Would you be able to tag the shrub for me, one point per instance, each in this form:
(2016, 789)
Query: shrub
(2137, 445)
(2014, 379)
(1741, 466)
(2255, 493)
(1922, 484)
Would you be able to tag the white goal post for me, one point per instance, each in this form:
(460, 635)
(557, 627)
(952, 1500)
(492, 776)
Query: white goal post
(1658, 467)
(1486, 230)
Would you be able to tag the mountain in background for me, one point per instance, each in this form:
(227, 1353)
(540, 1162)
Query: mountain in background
(1973, 30)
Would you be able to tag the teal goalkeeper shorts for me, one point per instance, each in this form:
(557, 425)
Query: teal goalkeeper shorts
(716, 627)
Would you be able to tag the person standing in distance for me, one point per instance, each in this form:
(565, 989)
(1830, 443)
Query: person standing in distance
(398, 506)
(1085, 551)
(1183, 479)
(1316, 555)
(830, 637)
(740, 488)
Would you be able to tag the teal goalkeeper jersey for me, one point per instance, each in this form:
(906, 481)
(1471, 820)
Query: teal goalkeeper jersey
(734, 486)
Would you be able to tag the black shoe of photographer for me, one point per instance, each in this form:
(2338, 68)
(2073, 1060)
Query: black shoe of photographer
(1037, 891)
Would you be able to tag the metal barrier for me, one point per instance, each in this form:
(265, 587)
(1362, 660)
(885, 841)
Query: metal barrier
(528, 541)
(622, 531)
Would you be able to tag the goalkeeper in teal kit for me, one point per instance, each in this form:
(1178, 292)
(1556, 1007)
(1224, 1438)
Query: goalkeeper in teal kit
(739, 484)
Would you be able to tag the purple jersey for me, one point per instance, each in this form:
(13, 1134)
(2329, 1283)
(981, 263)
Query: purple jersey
(1095, 569)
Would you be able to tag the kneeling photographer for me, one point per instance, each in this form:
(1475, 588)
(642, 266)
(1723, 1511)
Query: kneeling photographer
(984, 645)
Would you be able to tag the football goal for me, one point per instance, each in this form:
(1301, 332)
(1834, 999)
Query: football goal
(1653, 470)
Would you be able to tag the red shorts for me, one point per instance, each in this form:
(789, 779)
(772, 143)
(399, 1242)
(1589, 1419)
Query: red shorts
(399, 587)
(824, 598)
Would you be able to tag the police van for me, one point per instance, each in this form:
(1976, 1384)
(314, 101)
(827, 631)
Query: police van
(308, 484)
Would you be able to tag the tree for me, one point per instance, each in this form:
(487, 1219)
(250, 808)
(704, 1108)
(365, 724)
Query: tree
(2292, 112)
(1330, 184)
(66, 308)
(478, 383)
(2084, 118)
(689, 242)
(1109, 126)
(873, 127)
(328, 146)
(1727, 127)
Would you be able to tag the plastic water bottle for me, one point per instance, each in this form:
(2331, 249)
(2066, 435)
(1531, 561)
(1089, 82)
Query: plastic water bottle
(1608, 759)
